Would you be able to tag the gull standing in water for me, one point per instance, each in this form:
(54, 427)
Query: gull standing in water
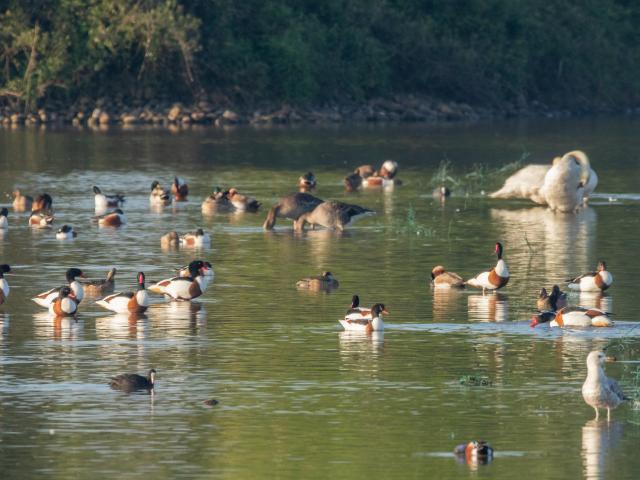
(598, 390)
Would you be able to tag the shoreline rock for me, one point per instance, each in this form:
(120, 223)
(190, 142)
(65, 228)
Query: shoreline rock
(399, 109)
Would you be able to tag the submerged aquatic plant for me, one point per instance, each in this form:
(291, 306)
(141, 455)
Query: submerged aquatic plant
(475, 381)
(411, 225)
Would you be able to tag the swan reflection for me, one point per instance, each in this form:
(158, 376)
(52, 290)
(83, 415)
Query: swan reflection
(563, 243)
(493, 307)
(598, 437)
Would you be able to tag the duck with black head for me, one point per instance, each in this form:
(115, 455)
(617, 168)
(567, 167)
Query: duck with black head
(4, 222)
(367, 324)
(103, 201)
(42, 202)
(128, 302)
(4, 285)
(130, 382)
(495, 278)
(551, 302)
(64, 304)
(45, 298)
(66, 232)
(180, 189)
(197, 239)
(184, 288)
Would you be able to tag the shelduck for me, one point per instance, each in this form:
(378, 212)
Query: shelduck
(307, 182)
(573, 317)
(440, 278)
(103, 201)
(40, 219)
(368, 324)
(4, 222)
(197, 239)
(326, 281)
(42, 202)
(291, 206)
(333, 215)
(598, 390)
(159, 196)
(99, 287)
(45, 298)
(553, 302)
(242, 203)
(66, 232)
(21, 202)
(355, 310)
(64, 304)
(128, 302)
(179, 189)
(496, 278)
(207, 273)
(112, 219)
(4, 285)
(184, 288)
(597, 281)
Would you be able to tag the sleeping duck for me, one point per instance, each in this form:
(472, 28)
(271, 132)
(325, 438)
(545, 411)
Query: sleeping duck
(179, 189)
(494, 279)
(100, 287)
(597, 281)
(112, 219)
(64, 304)
(128, 302)
(197, 239)
(218, 201)
(556, 301)
(242, 203)
(169, 240)
(573, 317)
(326, 281)
(291, 206)
(333, 215)
(440, 278)
(365, 177)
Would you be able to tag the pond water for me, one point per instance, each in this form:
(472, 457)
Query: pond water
(300, 398)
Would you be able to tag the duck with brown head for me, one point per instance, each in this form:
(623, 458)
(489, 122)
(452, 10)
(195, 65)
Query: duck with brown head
(440, 278)
(180, 189)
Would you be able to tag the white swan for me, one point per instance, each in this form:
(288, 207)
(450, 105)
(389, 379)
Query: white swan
(563, 186)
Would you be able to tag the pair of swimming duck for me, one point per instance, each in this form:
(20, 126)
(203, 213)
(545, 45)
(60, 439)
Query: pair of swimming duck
(304, 208)
(365, 176)
(229, 200)
(361, 319)
(196, 239)
(161, 197)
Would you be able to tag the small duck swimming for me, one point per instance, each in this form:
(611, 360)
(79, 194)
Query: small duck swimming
(180, 189)
(307, 182)
(64, 304)
(333, 215)
(597, 281)
(103, 201)
(184, 288)
(21, 203)
(66, 232)
(129, 382)
(99, 287)
(494, 279)
(598, 390)
(197, 239)
(367, 324)
(45, 298)
(159, 196)
(4, 222)
(4, 285)
(40, 219)
(291, 206)
(573, 317)
(128, 302)
(242, 203)
(556, 301)
(366, 177)
(112, 219)
(475, 452)
(171, 239)
(440, 278)
(326, 281)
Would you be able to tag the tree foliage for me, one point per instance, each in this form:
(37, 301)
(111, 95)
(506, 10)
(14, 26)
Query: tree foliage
(575, 53)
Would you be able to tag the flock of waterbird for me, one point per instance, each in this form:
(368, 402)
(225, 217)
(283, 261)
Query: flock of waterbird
(564, 186)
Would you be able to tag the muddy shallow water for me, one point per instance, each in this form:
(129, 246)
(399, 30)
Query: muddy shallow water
(300, 398)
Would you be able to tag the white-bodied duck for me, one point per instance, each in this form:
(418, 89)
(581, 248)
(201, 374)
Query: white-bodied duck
(184, 288)
(103, 201)
(368, 324)
(66, 232)
(128, 302)
(64, 304)
(197, 239)
(597, 281)
(4, 285)
(573, 317)
(494, 279)
(112, 219)
(598, 390)
(46, 298)
(4, 222)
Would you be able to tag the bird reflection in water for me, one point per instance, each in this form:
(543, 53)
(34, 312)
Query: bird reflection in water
(57, 327)
(599, 300)
(598, 438)
(121, 325)
(488, 308)
(355, 345)
(446, 303)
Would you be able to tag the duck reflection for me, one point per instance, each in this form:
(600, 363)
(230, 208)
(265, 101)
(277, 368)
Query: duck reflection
(320, 245)
(446, 303)
(356, 346)
(598, 437)
(4, 323)
(566, 240)
(598, 300)
(178, 318)
(122, 325)
(493, 307)
(57, 327)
